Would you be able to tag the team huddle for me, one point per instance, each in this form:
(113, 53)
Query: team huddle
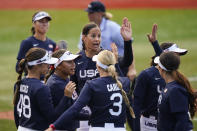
(97, 89)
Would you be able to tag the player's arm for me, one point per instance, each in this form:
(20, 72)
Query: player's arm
(126, 32)
(24, 47)
(153, 40)
(72, 112)
(178, 100)
(44, 99)
(182, 122)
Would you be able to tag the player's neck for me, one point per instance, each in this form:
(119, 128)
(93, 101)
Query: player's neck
(33, 75)
(39, 36)
(168, 78)
(90, 53)
(103, 73)
(61, 74)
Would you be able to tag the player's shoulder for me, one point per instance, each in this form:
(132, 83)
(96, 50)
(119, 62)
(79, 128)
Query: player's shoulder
(98, 81)
(149, 72)
(51, 41)
(124, 80)
(175, 87)
(82, 59)
(34, 83)
(126, 83)
(29, 40)
(53, 80)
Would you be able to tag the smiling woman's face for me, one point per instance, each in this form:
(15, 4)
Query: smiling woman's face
(92, 39)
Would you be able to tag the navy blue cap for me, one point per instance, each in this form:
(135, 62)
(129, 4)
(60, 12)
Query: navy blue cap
(95, 6)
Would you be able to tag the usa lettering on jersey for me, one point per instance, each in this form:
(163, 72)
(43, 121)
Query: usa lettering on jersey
(88, 73)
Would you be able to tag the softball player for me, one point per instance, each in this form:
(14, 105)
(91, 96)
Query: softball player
(39, 29)
(60, 84)
(110, 33)
(148, 87)
(176, 103)
(33, 106)
(106, 97)
(86, 68)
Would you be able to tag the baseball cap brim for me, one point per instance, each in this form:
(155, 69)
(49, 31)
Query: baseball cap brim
(89, 10)
(176, 49)
(70, 57)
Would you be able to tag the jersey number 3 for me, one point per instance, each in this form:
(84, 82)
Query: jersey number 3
(23, 106)
(116, 104)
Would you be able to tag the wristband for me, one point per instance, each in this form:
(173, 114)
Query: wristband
(52, 126)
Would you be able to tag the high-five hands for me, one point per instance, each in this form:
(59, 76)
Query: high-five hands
(153, 36)
(126, 30)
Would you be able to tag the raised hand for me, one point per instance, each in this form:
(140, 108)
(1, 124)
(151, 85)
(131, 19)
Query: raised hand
(126, 30)
(153, 36)
(69, 89)
(114, 50)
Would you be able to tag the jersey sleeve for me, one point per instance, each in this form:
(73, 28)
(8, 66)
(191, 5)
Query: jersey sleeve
(157, 48)
(178, 100)
(182, 122)
(24, 47)
(44, 99)
(139, 96)
(127, 59)
(72, 112)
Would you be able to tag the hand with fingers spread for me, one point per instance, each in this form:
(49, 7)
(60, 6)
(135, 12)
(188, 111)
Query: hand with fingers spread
(114, 50)
(153, 36)
(69, 89)
(126, 30)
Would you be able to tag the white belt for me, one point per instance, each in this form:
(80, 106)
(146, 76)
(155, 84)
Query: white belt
(111, 125)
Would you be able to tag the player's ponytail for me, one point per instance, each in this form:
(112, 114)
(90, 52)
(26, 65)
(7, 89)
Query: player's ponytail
(56, 54)
(171, 62)
(33, 30)
(181, 79)
(31, 55)
(17, 84)
(108, 58)
(51, 71)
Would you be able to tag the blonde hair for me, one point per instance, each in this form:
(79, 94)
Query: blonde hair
(108, 15)
(108, 58)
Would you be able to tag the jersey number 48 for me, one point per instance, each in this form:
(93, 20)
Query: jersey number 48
(23, 106)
